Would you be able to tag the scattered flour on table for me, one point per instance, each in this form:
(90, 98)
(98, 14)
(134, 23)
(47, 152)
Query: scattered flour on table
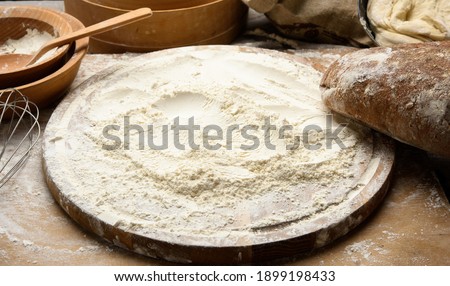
(365, 251)
(435, 200)
(361, 248)
(27, 243)
(201, 191)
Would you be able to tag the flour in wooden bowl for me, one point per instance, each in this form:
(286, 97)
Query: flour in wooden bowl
(29, 44)
(225, 190)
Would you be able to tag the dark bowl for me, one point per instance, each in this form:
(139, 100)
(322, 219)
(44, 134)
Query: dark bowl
(365, 21)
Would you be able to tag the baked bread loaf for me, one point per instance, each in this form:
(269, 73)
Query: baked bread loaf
(403, 92)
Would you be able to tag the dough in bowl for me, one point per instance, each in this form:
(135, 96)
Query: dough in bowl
(409, 21)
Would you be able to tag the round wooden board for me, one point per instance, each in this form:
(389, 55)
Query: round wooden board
(279, 241)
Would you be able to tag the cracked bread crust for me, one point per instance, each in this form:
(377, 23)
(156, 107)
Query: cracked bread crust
(403, 92)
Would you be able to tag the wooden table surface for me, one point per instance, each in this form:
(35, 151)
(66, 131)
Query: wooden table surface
(411, 227)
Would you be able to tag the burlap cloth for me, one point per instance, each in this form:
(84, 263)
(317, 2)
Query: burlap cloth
(321, 21)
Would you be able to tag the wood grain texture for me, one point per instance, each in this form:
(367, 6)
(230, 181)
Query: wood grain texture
(153, 4)
(217, 22)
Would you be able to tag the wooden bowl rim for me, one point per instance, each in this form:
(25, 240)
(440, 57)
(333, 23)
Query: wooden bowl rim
(205, 2)
(81, 47)
(213, 2)
(196, 43)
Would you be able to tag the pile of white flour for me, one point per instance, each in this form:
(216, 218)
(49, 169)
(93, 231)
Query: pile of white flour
(29, 44)
(228, 192)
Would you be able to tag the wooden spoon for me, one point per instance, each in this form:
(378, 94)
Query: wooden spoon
(15, 61)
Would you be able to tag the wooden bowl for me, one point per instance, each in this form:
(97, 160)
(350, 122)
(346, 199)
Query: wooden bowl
(213, 22)
(100, 46)
(15, 20)
(51, 88)
(154, 4)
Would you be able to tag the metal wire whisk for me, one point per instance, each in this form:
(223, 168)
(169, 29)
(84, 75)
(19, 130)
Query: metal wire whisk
(19, 131)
